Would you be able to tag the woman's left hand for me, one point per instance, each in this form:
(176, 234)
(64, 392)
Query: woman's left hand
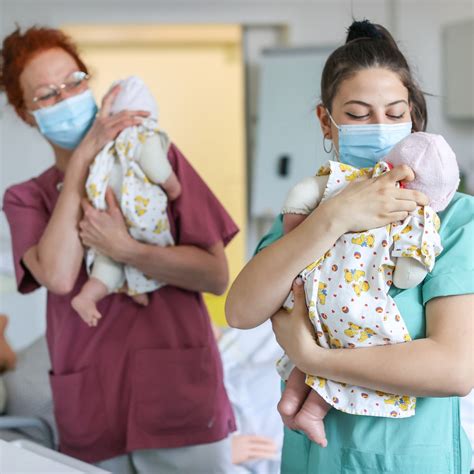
(294, 331)
(105, 231)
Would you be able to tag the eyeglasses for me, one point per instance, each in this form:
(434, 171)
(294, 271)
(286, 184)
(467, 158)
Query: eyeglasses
(48, 95)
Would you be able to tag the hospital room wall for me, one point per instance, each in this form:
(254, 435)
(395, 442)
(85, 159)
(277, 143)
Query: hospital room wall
(417, 25)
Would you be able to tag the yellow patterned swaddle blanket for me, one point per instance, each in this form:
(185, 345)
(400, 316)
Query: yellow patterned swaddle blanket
(143, 203)
(347, 295)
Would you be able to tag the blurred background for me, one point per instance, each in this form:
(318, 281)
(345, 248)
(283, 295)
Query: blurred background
(237, 83)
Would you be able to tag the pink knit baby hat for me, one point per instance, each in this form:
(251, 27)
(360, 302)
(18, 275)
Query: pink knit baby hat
(434, 164)
(134, 95)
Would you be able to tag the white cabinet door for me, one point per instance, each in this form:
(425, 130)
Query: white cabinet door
(289, 142)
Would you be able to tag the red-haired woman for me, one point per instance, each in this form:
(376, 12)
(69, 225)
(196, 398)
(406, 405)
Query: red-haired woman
(143, 391)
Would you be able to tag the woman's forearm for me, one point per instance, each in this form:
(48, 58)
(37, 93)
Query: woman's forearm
(264, 283)
(184, 266)
(421, 368)
(60, 252)
(438, 365)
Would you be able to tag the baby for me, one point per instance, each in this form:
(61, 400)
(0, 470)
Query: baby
(136, 167)
(347, 289)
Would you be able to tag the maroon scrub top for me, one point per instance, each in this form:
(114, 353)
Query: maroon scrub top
(145, 377)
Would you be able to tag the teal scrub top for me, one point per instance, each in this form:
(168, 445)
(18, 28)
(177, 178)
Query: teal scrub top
(433, 440)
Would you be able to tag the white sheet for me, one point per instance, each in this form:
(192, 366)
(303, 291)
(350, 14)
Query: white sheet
(253, 386)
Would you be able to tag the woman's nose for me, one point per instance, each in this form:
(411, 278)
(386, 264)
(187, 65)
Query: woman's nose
(378, 116)
(65, 94)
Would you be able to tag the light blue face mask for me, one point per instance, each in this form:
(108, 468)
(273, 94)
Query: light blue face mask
(363, 146)
(66, 122)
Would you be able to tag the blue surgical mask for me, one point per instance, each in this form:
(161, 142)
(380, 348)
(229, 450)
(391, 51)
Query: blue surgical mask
(363, 146)
(66, 122)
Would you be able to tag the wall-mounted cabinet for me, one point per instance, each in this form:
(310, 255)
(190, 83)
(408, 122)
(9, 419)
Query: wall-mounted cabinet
(289, 142)
(458, 70)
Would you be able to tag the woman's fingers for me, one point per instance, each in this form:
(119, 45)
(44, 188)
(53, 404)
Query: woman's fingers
(256, 453)
(411, 195)
(108, 100)
(399, 173)
(111, 200)
(128, 114)
(106, 127)
(402, 206)
(377, 202)
(262, 442)
(114, 130)
(248, 447)
(398, 216)
(86, 206)
(298, 295)
(125, 119)
(261, 450)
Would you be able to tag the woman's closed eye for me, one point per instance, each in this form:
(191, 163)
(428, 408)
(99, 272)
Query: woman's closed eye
(357, 117)
(366, 116)
(396, 117)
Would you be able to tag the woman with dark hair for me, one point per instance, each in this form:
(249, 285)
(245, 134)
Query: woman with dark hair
(143, 391)
(368, 82)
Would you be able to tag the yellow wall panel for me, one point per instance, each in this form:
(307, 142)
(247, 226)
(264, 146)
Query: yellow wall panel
(196, 75)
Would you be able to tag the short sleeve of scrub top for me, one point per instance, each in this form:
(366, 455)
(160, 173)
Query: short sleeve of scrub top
(200, 218)
(433, 440)
(453, 271)
(27, 218)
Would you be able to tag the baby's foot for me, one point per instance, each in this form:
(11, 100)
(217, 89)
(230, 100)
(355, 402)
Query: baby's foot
(288, 407)
(293, 397)
(312, 424)
(142, 299)
(87, 310)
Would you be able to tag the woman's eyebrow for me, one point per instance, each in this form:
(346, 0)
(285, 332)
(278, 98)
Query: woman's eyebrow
(357, 102)
(397, 102)
(360, 102)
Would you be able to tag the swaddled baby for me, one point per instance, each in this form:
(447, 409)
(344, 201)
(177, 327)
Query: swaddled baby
(135, 166)
(347, 289)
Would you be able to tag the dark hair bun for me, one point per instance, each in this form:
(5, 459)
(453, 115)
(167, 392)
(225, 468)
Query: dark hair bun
(363, 29)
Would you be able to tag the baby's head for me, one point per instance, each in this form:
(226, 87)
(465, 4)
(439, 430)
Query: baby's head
(134, 95)
(434, 164)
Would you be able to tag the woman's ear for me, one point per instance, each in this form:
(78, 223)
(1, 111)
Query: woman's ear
(26, 117)
(324, 120)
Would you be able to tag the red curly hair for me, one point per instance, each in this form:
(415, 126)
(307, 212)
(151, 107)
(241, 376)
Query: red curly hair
(18, 49)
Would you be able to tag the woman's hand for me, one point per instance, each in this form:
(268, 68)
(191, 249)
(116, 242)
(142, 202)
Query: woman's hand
(105, 231)
(106, 127)
(251, 448)
(294, 331)
(375, 202)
